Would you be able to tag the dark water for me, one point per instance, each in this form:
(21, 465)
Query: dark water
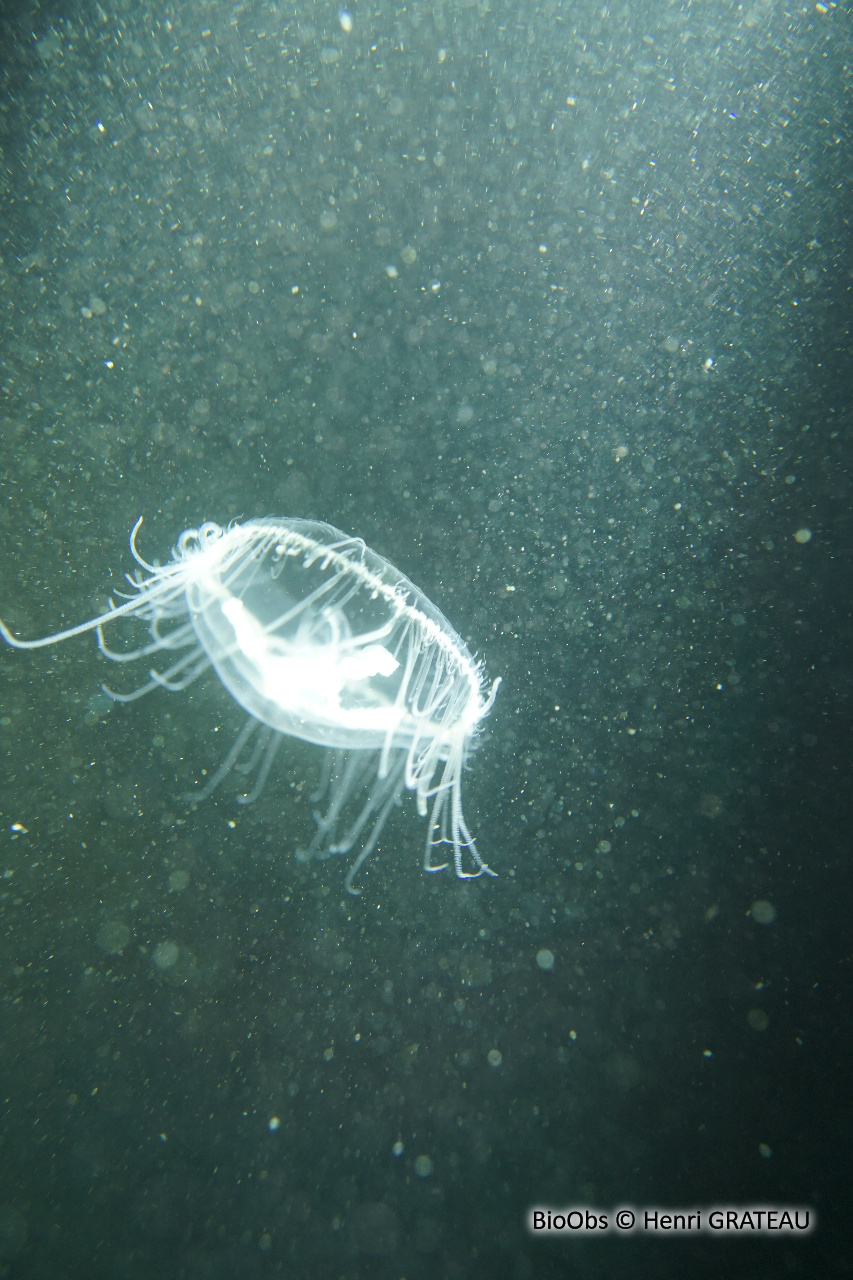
(552, 308)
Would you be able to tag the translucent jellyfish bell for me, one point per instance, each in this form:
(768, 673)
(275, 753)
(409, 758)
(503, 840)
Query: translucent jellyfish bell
(318, 638)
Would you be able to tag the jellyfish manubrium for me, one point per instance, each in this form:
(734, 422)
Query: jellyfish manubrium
(316, 637)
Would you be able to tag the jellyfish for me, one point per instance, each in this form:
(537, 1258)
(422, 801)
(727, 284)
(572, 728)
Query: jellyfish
(319, 638)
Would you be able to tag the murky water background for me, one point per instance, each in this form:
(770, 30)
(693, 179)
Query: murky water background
(551, 306)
